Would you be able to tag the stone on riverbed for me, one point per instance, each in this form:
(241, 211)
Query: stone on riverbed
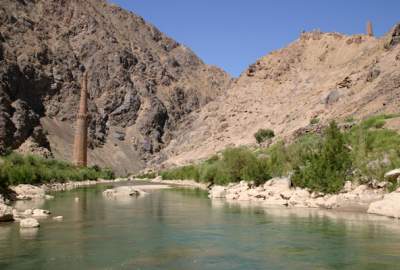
(28, 192)
(40, 213)
(29, 223)
(124, 191)
(6, 213)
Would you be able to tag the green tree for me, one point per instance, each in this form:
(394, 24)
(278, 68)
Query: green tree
(324, 168)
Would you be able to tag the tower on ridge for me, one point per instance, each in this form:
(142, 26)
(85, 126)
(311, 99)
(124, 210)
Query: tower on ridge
(370, 31)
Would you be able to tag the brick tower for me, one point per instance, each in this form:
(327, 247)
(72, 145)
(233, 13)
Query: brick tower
(370, 32)
(80, 141)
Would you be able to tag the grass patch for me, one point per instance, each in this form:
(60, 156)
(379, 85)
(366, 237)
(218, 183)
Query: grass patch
(18, 169)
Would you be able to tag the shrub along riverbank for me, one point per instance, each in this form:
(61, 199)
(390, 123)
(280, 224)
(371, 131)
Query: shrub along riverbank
(18, 169)
(319, 162)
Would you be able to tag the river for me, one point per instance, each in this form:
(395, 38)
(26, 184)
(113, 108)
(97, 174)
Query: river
(183, 229)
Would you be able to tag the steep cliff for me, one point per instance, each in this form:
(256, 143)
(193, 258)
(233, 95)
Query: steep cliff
(141, 82)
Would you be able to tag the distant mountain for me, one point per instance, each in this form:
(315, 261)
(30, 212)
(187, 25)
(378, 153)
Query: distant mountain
(142, 83)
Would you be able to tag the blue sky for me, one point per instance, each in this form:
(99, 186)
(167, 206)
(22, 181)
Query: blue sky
(233, 34)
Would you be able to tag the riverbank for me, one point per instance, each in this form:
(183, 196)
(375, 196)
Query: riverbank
(372, 198)
(27, 192)
(278, 192)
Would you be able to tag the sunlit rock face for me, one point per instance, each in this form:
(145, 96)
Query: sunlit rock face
(141, 83)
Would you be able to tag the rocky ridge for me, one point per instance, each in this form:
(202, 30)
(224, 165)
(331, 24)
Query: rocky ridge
(320, 76)
(141, 82)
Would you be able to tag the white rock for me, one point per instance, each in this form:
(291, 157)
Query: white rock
(388, 206)
(244, 196)
(27, 212)
(281, 183)
(286, 195)
(49, 197)
(392, 175)
(232, 196)
(256, 192)
(328, 202)
(360, 189)
(123, 191)
(29, 223)
(76, 199)
(27, 192)
(40, 213)
(59, 218)
(217, 192)
(348, 186)
(6, 212)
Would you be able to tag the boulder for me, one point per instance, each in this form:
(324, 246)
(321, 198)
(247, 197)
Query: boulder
(392, 175)
(299, 198)
(330, 202)
(388, 206)
(217, 192)
(29, 223)
(283, 183)
(348, 186)
(27, 212)
(28, 192)
(40, 213)
(6, 213)
(123, 191)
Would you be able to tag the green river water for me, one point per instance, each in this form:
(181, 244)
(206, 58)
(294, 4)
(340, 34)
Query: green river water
(183, 229)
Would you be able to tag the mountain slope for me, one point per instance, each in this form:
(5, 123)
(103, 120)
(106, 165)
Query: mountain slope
(320, 75)
(141, 82)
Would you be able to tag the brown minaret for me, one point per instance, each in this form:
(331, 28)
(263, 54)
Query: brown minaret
(80, 142)
(370, 32)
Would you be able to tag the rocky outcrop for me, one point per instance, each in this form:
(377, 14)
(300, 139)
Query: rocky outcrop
(141, 82)
(324, 76)
(388, 206)
(28, 192)
(279, 192)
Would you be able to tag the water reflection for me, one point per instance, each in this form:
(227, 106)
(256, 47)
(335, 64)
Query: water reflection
(29, 233)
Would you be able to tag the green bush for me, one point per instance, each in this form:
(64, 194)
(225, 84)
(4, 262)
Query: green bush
(314, 121)
(150, 175)
(264, 134)
(235, 165)
(319, 162)
(18, 169)
(325, 168)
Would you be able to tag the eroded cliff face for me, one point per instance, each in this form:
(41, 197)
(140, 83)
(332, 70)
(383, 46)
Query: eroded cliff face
(141, 82)
(320, 75)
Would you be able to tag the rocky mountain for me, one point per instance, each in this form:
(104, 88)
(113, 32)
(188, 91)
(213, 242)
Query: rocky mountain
(319, 76)
(142, 84)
